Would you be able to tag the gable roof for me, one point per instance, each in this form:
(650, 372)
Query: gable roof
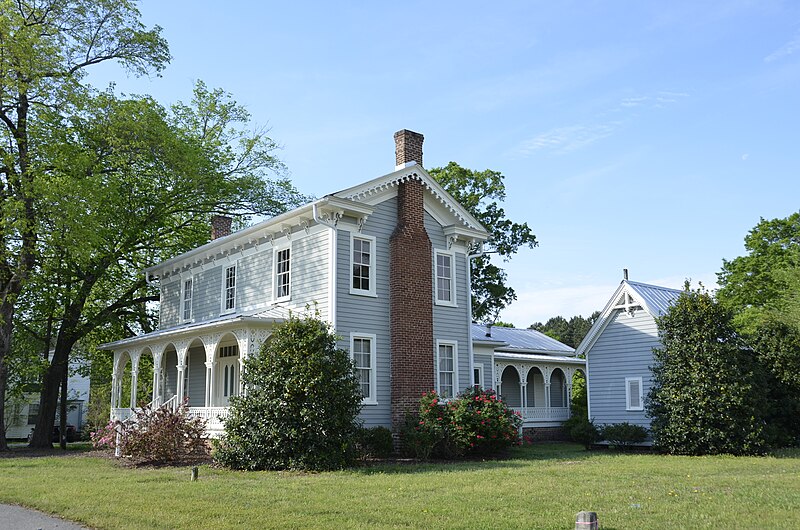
(513, 340)
(653, 299)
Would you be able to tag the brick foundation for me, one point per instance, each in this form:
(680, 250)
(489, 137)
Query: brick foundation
(545, 434)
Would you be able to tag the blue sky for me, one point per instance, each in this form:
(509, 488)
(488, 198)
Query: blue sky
(643, 135)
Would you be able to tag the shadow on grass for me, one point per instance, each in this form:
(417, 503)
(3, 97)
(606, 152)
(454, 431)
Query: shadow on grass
(569, 453)
(20, 450)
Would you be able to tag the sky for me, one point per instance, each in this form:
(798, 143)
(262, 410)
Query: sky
(650, 136)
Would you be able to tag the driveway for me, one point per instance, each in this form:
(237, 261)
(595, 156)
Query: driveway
(19, 518)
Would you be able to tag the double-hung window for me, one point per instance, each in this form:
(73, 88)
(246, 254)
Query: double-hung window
(445, 278)
(633, 393)
(229, 290)
(447, 364)
(362, 259)
(362, 350)
(283, 274)
(186, 300)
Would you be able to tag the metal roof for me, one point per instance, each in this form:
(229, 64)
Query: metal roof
(657, 299)
(520, 339)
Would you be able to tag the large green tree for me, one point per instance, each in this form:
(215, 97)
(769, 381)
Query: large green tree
(137, 184)
(707, 393)
(480, 193)
(45, 48)
(571, 332)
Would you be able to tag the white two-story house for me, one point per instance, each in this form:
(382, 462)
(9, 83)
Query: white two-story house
(386, 262)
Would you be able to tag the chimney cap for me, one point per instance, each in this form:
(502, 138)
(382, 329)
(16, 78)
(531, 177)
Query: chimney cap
(625, 274)
(407, 148)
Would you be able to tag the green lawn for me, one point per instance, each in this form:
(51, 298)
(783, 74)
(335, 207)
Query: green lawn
(542, 486)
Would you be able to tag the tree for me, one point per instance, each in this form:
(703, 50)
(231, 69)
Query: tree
(707, 391)
(301, 404)
(45, 48)
(571, 332)
(159, 176)
(479, 192)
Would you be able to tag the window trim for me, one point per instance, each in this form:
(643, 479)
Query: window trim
(628, 406)
(372, 269)
(479, 368)
(184, 281)
(373, 375)
(235, 266)
(278, 249)
(454, 344)
(453, 302)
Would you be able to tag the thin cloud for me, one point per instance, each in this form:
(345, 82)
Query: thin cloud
(784, 51)
(566, 139)
(657, 100)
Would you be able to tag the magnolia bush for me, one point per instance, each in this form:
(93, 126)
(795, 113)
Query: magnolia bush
(477, 422)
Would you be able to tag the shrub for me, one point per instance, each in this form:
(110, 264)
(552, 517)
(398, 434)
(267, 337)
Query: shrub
(623, 434)
(156, 435)
(300, 409)
(477, 422)
(374, 442)
(582, 430)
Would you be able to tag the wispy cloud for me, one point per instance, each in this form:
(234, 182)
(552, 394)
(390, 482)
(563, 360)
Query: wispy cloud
(784, 51)
(657, 100)
(565, 139)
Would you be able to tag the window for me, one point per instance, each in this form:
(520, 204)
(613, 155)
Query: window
(362, 259)
(446, 363)
(229, 289)
(362, 350)
(229, 365)
(187, 300)
(282, 273)
(633, 393)
(445, 279)
(33, 413)
(477, 375)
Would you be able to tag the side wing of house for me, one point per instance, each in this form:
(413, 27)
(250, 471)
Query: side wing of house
(618, 365)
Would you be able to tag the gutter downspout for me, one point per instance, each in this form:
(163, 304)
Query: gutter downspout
(333, 260)
(470, 257)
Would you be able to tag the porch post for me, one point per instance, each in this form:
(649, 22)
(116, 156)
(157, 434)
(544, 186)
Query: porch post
(569, 397)
(547, 398)
(158, 352)
(114, 385)
(180, 390)
(242, 389)
(134, 378)
(210, 383)
(182, 350)
(523, 395)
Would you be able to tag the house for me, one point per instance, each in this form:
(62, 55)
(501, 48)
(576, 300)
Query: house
(619, 352)
(386, 262)
(23, 411)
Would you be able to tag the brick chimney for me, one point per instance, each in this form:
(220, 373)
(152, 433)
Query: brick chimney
(407, 148)
(220, 226)
(411, 287)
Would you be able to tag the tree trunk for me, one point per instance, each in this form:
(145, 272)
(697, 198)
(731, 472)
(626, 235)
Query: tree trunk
(6, 317)
(64, 390)
(48, 399)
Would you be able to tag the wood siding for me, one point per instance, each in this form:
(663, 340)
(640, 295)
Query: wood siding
(624, 349)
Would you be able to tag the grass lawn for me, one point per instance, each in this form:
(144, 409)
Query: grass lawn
(540, 486)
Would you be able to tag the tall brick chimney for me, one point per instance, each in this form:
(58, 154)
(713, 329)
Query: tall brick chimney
(220, 226)
(411, 287)
(407, 148)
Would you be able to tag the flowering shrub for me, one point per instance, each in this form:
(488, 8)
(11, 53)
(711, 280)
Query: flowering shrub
(105, 437)
(477, 422)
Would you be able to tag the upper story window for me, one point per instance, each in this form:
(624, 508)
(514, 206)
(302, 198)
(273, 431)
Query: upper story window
(282, 273)
(362, 350)
(229, 289)
(186, 309)
(633, 393)
(362, 259)
(446, 363)
(445, 278)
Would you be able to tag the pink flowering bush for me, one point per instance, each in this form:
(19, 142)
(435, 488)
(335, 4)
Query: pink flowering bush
(105, 437)
(477, 422)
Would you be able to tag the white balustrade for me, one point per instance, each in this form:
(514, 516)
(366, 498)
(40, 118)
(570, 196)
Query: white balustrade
(533, 414)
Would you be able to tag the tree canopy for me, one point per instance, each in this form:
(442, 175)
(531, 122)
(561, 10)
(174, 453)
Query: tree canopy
(571, 332)
(480, 192)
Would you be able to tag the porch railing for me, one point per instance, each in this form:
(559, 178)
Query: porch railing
(214, 416)
(544, 413)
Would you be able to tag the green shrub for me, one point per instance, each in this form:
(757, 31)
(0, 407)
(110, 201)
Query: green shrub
(477, 422)
(581, 430)
(374, 442)
(301, 404)
(623, 434)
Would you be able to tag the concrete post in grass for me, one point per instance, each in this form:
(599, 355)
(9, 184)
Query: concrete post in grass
(586, 521)
(195, 472)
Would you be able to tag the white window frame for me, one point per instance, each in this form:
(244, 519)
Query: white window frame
(278, 250)
(372, 269)
(628, 405)
(479, 368)
(184, 281)
(452, 302)
(373, 375)
(454, 344)
(223, 303)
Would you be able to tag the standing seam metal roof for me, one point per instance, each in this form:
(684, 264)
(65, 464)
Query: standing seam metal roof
(521, 339)
(657, 299)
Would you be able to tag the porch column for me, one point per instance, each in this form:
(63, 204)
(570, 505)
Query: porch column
(210, 397)
(523, 395)
(134, 378)
(547, 398)
(242, 389)
(569, 397)
(180, 390)
(114, 387)
(182, 350)
(158, 354)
